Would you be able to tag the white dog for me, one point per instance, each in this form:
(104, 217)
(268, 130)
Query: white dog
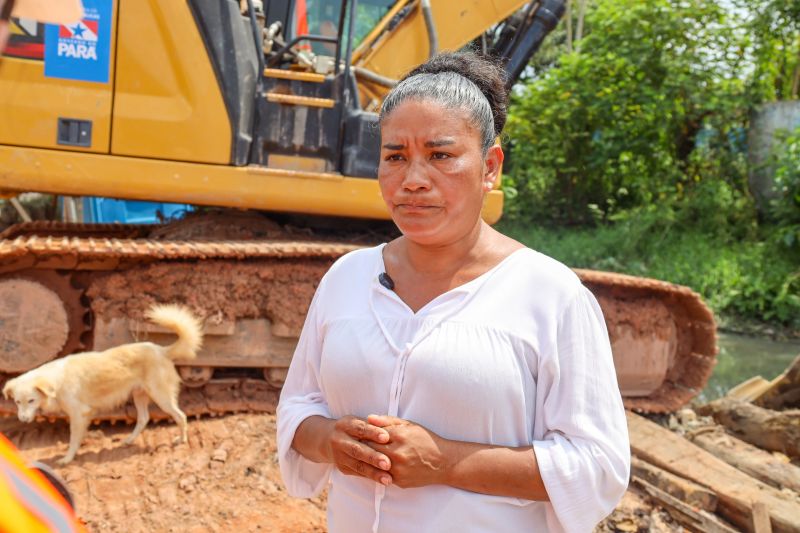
(82, 384)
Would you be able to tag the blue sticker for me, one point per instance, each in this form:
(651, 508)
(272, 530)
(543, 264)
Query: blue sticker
(80, 51)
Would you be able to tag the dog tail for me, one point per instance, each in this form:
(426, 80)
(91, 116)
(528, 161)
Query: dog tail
(181, 321)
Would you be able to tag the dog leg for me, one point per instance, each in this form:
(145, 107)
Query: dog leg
(169, 404)
(78, 424)
(140, 400)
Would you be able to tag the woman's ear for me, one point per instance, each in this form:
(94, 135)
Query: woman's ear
(493, 166)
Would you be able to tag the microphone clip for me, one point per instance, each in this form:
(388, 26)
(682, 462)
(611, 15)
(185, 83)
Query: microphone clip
(386, 281)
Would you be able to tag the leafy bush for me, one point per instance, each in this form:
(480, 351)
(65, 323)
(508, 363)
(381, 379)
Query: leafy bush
(629, 154)
(615, 124)
(773, 39)
(752, 279)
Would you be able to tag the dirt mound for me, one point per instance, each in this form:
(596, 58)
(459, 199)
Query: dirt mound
(225, 478)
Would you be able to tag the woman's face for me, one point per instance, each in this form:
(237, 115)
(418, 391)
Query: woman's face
(432, 172)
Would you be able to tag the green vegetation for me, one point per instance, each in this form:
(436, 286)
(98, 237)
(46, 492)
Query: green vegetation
(629, 153)
(785, 210)
(748, 279)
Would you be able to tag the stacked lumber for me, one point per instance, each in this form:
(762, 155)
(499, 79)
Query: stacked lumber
(733, 469)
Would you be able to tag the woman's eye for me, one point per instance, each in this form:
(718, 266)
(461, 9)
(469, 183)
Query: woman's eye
(30, 401)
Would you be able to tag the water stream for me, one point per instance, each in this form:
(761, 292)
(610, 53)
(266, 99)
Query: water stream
(741, 357)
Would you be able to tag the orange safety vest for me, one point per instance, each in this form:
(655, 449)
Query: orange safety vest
(28, 502)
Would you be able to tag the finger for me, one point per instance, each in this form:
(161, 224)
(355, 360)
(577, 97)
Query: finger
(361, 452)
(364, 470)
(362, 430)
(385, 420)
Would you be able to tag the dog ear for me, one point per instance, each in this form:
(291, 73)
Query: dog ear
(8, 392)
(46, 388)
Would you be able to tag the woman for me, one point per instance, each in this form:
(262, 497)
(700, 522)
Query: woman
(452, 379)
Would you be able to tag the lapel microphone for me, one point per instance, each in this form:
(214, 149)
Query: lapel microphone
(386, 281)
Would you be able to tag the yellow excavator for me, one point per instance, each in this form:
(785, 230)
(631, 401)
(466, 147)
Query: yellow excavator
(262, 114)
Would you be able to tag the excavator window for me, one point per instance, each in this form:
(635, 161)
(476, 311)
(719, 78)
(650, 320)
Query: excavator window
(316, 17)
(321, 17)
(368, 14)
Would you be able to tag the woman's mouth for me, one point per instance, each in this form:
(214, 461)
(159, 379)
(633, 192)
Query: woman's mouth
(417, 208)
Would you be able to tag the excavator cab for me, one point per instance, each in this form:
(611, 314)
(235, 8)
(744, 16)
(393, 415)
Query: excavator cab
(310, 117)
(284, 70)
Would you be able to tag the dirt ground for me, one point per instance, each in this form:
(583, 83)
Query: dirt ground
(225, 478)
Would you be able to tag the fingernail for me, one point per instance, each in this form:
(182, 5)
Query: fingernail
(386, 480)
(384, 465)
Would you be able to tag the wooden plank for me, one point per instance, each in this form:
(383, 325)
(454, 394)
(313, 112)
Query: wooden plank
(676, 486)
(769, 430)
(784, 390)
(695, 519)
(736, 490)
(753, 461)
(761, 522)
(749, 389)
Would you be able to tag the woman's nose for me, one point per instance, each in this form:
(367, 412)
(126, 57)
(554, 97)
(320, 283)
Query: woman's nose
(416, 177)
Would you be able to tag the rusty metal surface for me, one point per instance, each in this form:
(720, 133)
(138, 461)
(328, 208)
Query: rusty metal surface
(144, 249)
(35, 325)
(71, 296)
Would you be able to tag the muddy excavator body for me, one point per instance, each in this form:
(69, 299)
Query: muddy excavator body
(264, 115)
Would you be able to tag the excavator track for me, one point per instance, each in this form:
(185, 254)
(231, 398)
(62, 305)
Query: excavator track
(663, 335)
(81, 263)
(94, 253)
(52, 228)
(673, 322)
(217, 397)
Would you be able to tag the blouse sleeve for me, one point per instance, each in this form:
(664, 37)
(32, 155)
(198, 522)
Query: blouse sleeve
(584, 455)
(301, 397)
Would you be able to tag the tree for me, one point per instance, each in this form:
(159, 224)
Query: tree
(616, 123)
(774, 35)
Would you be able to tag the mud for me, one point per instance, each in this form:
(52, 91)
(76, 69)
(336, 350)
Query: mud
(225, 478)
(223, 225)
(277, 289)
(230, 225)
(659, 309)
(646, 316)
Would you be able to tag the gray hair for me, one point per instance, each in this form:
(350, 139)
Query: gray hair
(448, 89)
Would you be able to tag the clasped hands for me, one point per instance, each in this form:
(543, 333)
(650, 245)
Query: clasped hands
(388, 450)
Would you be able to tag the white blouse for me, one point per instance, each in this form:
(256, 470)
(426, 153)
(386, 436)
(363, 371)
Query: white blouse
(519, 356)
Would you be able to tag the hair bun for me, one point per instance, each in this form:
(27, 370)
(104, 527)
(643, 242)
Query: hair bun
(484, 72)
